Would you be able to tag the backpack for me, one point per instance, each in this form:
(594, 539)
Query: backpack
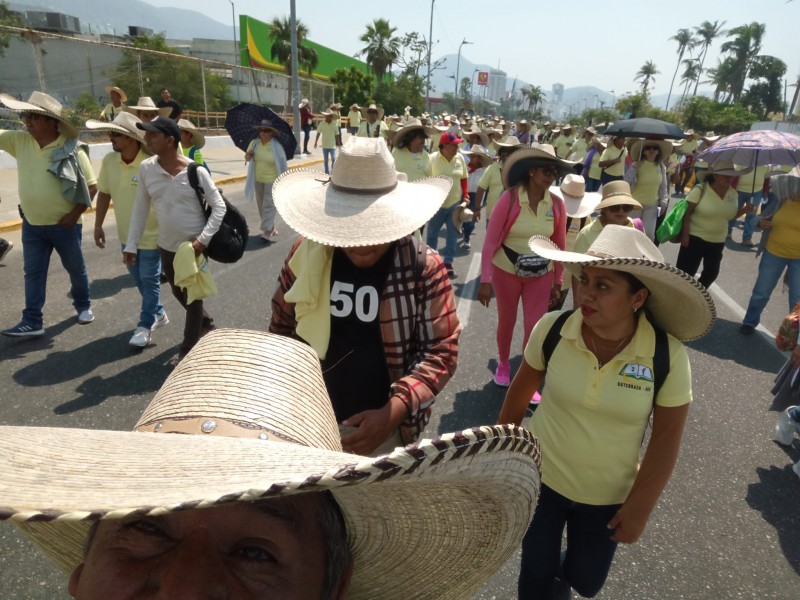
(228, 244)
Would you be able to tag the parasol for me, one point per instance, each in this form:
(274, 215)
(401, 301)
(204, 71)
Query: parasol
(644, 127)
(240, 122)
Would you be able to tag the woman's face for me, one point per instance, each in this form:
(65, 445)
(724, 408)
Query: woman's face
(265, 135)
(615, 215)
(650, 152)
(721, 182)
(606, 298)
(541, 178)
(416, 143)
(448, 151)
(618, 141)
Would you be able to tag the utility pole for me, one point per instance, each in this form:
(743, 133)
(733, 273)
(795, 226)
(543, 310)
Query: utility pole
(235, 53)
(295, 77)
(428, 77)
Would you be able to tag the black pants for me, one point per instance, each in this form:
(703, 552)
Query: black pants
(307, 130)
(710, 253)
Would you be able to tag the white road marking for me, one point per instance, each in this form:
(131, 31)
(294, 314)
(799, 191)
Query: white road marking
(468, 295)
(739, 312)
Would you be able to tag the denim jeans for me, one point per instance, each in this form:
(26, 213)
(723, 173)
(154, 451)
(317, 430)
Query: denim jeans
(38, 243)
(328, 153)
(147, 275)
(468, 228)
(592, 185)
(590, 549)
(770, 270)
(307, 131)
(749, 219)
(444, 216)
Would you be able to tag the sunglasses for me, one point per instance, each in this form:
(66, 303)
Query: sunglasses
(648, 148)
(549, 171)
(621, 207)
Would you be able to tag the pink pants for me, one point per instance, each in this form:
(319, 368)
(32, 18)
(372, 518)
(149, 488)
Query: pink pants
(508, 289)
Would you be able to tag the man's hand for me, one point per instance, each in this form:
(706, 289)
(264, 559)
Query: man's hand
(555, 295)
(485, 293)
(99, 237)
(628, 525)
(198, 247)
(129, 258)
(69, 220)
(373, 427)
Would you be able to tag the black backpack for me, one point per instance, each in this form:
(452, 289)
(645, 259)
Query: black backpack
(228, 244)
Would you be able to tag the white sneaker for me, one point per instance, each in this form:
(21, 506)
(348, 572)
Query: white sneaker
(785, 428)
(86, 316)
(141, 337)
(160, 321)
(796, 468)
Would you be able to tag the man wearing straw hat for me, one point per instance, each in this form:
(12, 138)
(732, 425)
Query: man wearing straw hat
(256, 498)
(147, 110)
(353, 119)
(119, 181)
(117, 105)
(372, 125)
(306, 118)
(56, 186)
(192, 141)
(375, 304)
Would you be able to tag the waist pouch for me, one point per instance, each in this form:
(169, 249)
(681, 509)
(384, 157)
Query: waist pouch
(527, 265)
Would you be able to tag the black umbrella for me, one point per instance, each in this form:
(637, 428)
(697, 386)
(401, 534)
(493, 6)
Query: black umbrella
(241, 121)
(646, 128)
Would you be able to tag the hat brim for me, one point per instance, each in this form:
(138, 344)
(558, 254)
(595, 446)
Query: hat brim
(365, 109)
(392, 505)
(122, 95)
(636, 148)
(198, 139)
(315, 209)
(66, 128)
(520, 161)
(680, 305)
(701, 173)
(578, 208)
(106, 127)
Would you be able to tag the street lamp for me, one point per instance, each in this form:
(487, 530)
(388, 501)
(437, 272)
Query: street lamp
(614, 101)
(597, 103)
(458, 62)
(235, 51)
(472, 85)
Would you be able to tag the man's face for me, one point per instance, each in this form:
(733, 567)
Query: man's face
(366, 256)
(157, 142)
(372, 116)
(165, 95)
(120, 142)
(186, 138)
(272, 549)
(146, 115)
(116, 99)
(39, 126)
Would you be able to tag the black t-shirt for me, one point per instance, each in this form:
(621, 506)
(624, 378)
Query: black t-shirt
(355, 370)
(176, 108)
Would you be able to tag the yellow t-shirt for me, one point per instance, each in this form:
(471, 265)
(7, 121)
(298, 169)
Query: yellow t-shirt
(591, 420)
(328, 133)
(573, 230)
(266, 171)
(120, 181)
(579, 150)
(648, 181)
(367, 129)
(784, 237)
(355, 118)
(416, 166)
(528, 224)
(709, 220)
(689, 147)
(110, 111)
(611, 153)
(39, 191)
(492, 182)
(753, 182)
(456, 169)
(589, 234)
(562, 144)
(594, 167)
(672, 164)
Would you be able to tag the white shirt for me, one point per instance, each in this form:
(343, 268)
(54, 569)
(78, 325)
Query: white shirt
(180, 216)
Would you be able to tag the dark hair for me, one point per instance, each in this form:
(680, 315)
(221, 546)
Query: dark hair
(404, 140)
(634, 284)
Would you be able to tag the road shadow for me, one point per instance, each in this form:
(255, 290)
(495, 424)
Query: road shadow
(107, 288)
(768, 497)
(11, 347)
(724, 342)
(256, 242)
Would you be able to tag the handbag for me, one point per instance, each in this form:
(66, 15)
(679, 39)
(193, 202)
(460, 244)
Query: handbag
(671, 226)
(527, 265)
(786, 338)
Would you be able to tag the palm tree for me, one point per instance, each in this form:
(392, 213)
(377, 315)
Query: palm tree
(720, 78)
(691, 73)
(685, 42)
(382, 48)
(743, 49)
(646, 75)
(707, 33)
(280, 34)
(535, 96)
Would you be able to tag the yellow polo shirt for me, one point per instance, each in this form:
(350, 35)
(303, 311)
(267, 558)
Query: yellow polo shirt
(689, 146)
(562, 145)
(672, 164)
(39, 191)
(709, 220)
(611, 153)
(648, 181)
(110, 111)
(591, 420)
(456, 169)
(589, 234)
(367, 129)
(328, 133)
(579, 149)
(416, 166)
(492, 182)
(120, 181)
(355, 118)
(265, 171)
(528, 224)
(753, 182)
(594, 168)
(784, 237)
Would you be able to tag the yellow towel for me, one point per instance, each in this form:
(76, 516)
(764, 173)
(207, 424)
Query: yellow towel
(311, 294)
(192, 274)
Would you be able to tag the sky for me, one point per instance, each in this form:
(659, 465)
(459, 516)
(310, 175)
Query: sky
(582, 42)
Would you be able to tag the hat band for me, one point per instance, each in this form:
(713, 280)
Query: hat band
(612, 194)
(369, 191)
(596, 254)
(215, 426)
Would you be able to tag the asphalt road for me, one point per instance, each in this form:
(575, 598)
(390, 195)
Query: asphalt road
(726, 527)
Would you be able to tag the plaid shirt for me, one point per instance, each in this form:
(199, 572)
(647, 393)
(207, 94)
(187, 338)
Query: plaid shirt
(419, 327)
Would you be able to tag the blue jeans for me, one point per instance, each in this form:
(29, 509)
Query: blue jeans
(590, 549)
(328, 153)
(749, 219)
(770, 270)
(468, 228)
(147, 275)
(444, 216)
(592, 185)
(307, 131)
(38, 243)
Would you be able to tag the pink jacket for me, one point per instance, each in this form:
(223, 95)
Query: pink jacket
(508, 204)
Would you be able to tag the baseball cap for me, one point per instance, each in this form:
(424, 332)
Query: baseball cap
(449, 138)
(163, 125)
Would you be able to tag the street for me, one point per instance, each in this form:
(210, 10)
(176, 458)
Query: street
(728, 525)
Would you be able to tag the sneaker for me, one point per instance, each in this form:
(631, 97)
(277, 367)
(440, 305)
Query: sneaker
(796, 468)
(747, 330)
(467, 245)
(23, 330)
(141, 337)
(785, 428)
(85, 316)
(160, 321)
(5, 248)
(502, 375)
(265, 236)
(450, 270)
(748, 243)
(536, 399)
(162, 278)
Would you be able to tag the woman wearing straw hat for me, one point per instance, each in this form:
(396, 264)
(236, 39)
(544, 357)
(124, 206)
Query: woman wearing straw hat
(591, 164)
(354, 119)
(256, 498)
(612, 160)
(479, 161)
(606, 367)
(147, 110)
(525, 209)
(192, 140)
(647, 176)
(615, 207)
(710, 206)
(268, 163)
(409, 152)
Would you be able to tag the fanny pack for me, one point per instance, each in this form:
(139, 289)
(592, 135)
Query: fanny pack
(527, 265)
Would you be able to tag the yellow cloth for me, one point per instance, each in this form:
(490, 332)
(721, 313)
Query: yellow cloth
(456, 169)
(753, 182)
(266, 171)
(572, 235)
(784, 237)
(120, 181)
(591, 421)
(648, 182)
(416, 166)
(311, 294)
(492, 182)
(192, 274)
(528, 224)
(562, 145)
(611, 153)
(594, 168)
(355, 118)
(709, 220)
(328, 132)
(110, 111)
(579, 149)
(39, 191)
(589, 234)
(672, 164)
(689, 147)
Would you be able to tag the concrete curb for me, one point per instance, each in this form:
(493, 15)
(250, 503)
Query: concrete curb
(16, 224)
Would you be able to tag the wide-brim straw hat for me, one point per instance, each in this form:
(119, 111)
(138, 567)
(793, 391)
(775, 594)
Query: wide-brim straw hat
(122, 95)
(362, 203)
(42, 104)
(480, 152)
(198, 139)
(601, 141)
(462, 214)
(124, 123)
(710, 136)
(635, 148)
(512, 141)
(261, 426)
(679, 304)
(578, 201)
(365, 109)
(355, 106)
(146, 103)
(475, 130)
(518, 164)
(303, 102)
(398, 136)
(721, 167)
(266, 124)
(616, 193)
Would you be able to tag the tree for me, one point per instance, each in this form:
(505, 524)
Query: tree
(743, 49)
(10, 19)
(465, 90)
(720, 77)
(280, 35)
(352, 86)
(382, 49)
(691, 72)
(646, 75)
(703, 114)
(405, 90)
(685, 42)
(635, 105)
(765, 94)
(707, 33)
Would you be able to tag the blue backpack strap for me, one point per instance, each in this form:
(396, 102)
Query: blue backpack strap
(192, 150)
(554, 336)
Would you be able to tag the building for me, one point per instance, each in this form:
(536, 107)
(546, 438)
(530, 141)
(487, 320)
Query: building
(496, 91)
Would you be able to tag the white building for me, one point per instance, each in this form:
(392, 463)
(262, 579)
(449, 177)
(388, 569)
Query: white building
(497, 85)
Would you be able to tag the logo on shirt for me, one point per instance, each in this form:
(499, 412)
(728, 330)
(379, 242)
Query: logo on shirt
(637, 371)
(135, 180)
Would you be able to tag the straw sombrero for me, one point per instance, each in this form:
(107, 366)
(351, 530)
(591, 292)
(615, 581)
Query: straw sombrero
(365, 109)
(635, 148)
(680, 305)
(512, 141)
(475, 130)
(122, 95)
(615, 193)
(362, 203)
(578, 201)
(462, 214)
(720, 167)
(397, 137)
(42, 104)
(480, 152)
(146, 103)
(198, 139)
(261, 426)
(124, 123)
(518, 164)
(266, 124)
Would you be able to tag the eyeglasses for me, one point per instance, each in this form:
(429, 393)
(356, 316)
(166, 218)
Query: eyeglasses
(621, 207)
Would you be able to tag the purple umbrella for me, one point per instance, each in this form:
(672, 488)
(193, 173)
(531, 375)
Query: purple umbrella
(756, 148)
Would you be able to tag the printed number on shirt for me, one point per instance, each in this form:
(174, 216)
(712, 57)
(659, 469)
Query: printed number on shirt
(364, 301)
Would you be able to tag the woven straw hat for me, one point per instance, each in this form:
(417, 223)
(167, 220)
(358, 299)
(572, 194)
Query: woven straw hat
(475, 130)
(518, 164)
(123, 97)
(362, 203)
(365, 109)
(636, 148)
(462, 215)
(512, 141)
(397, 137)
(124, 123)
(261, 426)
(480, 152)
(198, 139)
(42, 104)
(720, 167)
(615, 193)
(146, 103)
(680, 305)
(579, 202)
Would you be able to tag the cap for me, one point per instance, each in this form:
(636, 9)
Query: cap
(163, 125)
(449, 138)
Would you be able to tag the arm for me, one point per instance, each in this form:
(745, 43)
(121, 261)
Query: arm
(316, 139)
(283, 321)
(103, 201)
(663, 188)
(524, 385)
(659, 461)
(464, 189)
(685, 225)
(479, 194)
(630, 174)
(141, 209)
